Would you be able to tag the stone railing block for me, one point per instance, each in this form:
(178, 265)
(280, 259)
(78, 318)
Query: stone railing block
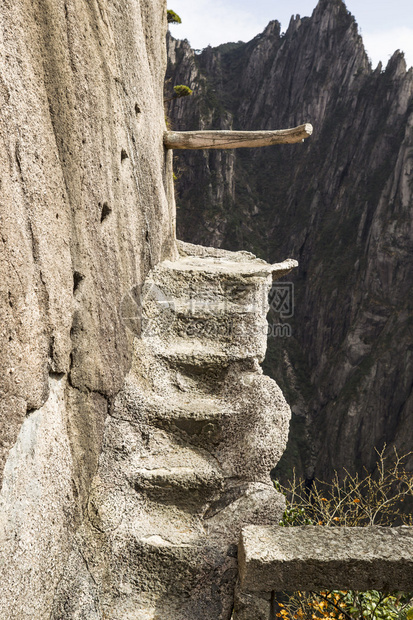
(315, 557)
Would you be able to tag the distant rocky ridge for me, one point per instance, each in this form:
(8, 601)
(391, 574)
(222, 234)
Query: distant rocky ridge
(341, 204)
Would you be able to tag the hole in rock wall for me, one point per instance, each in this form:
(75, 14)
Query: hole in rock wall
(106, 211)
(123, 155)
(77, 280)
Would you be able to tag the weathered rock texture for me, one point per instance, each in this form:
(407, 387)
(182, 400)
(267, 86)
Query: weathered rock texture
(137, 429)
(85, 211)
(187, 450)
(341, 203)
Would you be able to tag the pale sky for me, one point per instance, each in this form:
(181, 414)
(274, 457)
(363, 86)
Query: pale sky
(385, 25)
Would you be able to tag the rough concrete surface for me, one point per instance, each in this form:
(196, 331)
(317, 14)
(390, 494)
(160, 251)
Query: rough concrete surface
(314, 557)
(187, 451)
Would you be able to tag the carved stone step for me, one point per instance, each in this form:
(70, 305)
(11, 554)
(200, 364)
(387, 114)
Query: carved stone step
(184, 477)
(194, 419)
(190, 441)
(204, 309)
(164, 555)
(199, 353)
(233, 264)
(209, 340)
(159, 466)
(197, 427)
(244, 399)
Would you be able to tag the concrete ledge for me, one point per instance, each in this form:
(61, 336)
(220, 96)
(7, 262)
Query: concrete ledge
(316, 557)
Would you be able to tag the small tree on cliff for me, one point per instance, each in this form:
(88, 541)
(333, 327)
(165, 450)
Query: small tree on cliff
(173, 18)
(180, 91)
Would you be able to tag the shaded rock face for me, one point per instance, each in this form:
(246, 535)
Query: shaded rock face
(85, 212)
(341, 204)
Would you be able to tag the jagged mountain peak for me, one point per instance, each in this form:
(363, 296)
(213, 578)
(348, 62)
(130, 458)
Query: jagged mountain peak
(272, 29)
(339, 204)
(329, 37)
(331, 6)
(334, 11)
(295, 22)
(397, 64)
(333, 14)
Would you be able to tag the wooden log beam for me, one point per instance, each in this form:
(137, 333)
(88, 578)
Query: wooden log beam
(235, 139)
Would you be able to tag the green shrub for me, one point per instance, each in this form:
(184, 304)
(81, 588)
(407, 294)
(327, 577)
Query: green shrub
(173, 18)
(181, 91)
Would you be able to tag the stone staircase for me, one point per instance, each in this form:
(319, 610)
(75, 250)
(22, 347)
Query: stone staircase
(189, 444)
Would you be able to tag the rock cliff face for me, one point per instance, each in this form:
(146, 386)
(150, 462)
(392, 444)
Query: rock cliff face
(85, 213)
(341, 203)
(137, 428)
